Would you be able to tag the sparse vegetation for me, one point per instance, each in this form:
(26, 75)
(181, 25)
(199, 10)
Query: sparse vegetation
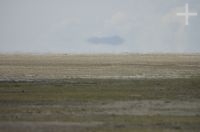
(161, 103)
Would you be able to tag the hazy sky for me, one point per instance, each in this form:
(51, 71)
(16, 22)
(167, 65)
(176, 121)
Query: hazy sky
(98, 26)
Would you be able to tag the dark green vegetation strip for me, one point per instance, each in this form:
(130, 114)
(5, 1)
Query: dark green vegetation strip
(98, 90)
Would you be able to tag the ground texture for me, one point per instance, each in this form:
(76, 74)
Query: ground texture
(100, 93)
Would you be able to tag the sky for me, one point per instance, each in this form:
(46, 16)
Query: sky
(98, 26)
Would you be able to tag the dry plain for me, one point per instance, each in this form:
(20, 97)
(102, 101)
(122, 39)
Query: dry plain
(100, 93)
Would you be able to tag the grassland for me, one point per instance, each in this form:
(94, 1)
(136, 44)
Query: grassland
(100, 93)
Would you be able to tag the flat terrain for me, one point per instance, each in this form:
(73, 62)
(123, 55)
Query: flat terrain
(38, 67)
(100, 93)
